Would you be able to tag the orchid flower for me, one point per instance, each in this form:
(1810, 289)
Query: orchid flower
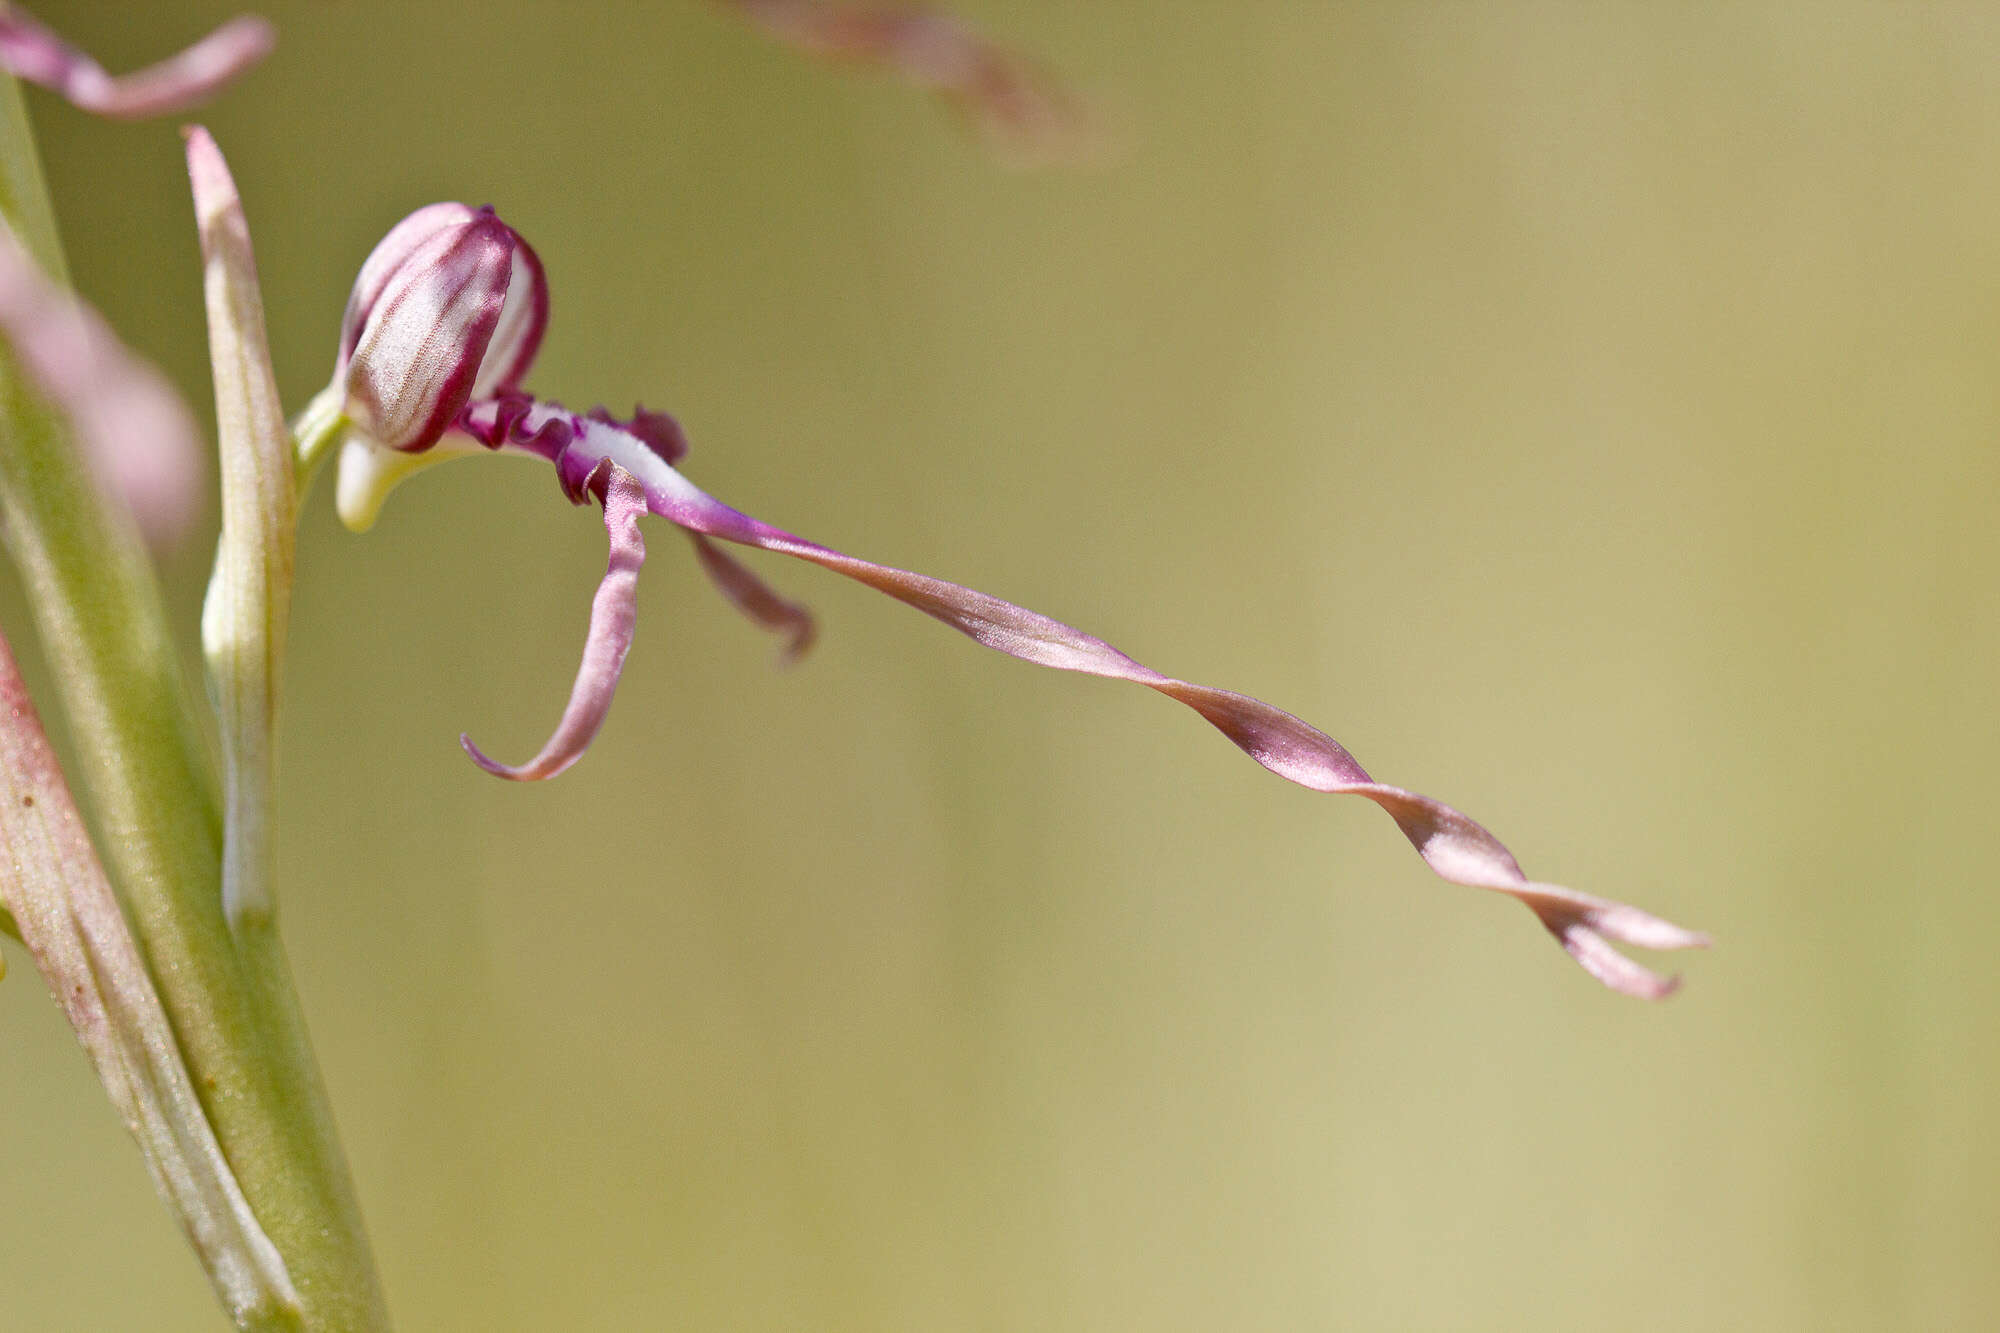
(441, 330)
(30, 51)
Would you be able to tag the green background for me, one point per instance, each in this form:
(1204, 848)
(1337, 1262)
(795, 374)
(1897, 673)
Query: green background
(1586, 412)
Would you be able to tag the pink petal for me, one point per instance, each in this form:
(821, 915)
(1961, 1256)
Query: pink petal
(386, 261)
(524, 318)
(412, 253)
(1454, 846)
(427, 332)
(998, 91)
(32, 52)
(612, 616)
(756, 599)
(134, 432)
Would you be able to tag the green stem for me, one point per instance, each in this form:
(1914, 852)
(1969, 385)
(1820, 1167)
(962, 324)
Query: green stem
(234, 1011)
(315, 432)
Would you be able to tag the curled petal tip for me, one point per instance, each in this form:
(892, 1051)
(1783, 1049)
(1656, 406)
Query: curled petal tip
(532, 771)
(1594, 954)
(613, 613)
(799, 645)
(1654, 933)
(34, 53)
(1586, 926)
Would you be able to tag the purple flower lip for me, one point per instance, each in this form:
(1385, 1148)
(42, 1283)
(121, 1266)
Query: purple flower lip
(450, 307)
(630, 469)
(32, 52)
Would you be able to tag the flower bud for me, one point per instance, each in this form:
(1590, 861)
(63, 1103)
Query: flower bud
(449, 308)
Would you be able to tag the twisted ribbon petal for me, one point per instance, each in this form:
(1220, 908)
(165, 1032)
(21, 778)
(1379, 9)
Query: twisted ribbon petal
(1456, 847)
(1453, 845)
(612, 615)
(32, 52)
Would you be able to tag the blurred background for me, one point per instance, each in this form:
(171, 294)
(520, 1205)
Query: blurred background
(1586, 412)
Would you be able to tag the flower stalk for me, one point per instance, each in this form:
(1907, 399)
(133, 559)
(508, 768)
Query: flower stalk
(67, 915)
(227, 993)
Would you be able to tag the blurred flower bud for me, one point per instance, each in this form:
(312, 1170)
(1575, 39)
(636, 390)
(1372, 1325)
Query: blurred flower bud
(450, 307)
(131, 427)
